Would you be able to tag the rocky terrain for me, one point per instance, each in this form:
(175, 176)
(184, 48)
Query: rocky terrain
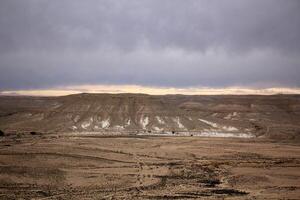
(82, 166)
(276, 116)
(118, 146)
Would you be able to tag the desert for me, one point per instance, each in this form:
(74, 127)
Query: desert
(41, 161)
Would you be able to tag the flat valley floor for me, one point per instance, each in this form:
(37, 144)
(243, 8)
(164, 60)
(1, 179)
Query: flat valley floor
(145, 167)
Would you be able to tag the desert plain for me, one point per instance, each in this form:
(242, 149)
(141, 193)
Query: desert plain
(134, 146)
(79, 166)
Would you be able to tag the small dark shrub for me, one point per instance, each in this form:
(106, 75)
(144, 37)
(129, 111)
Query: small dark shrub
(1, 133)
(33, 133)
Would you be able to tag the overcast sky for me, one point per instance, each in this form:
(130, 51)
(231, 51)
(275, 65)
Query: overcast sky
(153, 43)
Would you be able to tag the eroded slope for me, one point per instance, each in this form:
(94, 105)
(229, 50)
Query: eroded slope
(273, 116)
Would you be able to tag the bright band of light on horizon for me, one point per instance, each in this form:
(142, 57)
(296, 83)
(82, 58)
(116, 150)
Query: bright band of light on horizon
(115, 89)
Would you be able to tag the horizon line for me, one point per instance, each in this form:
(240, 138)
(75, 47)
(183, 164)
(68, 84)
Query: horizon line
(136, 89)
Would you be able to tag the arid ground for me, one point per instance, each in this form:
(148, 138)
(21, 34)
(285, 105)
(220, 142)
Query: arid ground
(136, 146)
(80, 166)
(274, 116)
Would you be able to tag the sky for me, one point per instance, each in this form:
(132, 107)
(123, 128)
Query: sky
(149, 46)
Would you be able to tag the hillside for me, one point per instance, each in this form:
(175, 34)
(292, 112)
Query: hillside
(276, 116)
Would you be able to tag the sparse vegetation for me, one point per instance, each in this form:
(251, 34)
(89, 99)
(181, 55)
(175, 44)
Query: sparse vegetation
(33, 133)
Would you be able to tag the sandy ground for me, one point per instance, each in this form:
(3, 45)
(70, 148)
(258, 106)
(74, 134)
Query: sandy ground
(144, 167)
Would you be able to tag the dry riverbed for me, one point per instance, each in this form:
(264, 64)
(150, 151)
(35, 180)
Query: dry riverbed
(147, 167)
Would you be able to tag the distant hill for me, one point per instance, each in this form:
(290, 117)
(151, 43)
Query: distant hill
(276, 116)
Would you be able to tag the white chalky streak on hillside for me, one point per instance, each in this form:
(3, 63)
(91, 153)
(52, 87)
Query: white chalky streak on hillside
(144, 122)
(177, 120)
(225, 128)
(119, 127)
(105, 123)
(229, 128)
(231, 115)
(160, 120)
(209, 123)
(85, 125)
(157, 128)
(76, 118)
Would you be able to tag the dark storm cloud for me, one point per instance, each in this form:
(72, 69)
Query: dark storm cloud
(159, 43)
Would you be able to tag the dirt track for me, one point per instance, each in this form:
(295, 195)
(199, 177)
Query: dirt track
(93, 167)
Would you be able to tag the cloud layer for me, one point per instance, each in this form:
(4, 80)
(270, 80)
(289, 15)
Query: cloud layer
(170, 43)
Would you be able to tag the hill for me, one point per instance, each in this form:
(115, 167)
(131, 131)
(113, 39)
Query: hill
(276, 116)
